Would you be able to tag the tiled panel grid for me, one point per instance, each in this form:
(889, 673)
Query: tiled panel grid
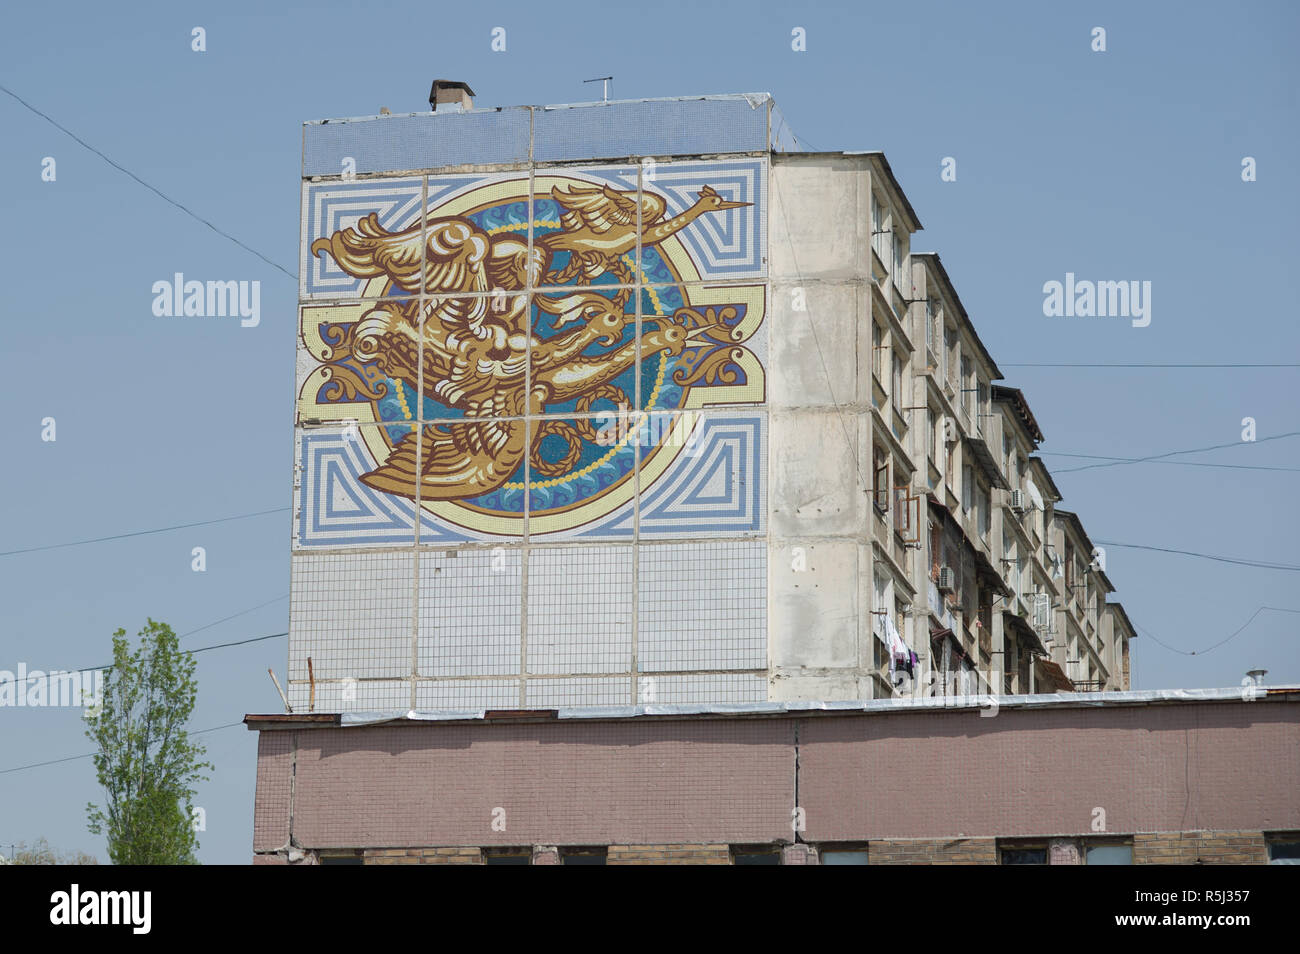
(702, 606)
(470, 607)
(351, 614)
(582, 611)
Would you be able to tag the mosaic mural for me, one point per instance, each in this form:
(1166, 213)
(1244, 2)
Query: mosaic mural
(494, 352)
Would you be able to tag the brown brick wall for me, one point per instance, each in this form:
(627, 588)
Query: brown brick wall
(570, 783)
(669, 855)
(1200, 847)
(933, 851)
(899, 780)
(271, 803)
(422, 856)
(1045, 772)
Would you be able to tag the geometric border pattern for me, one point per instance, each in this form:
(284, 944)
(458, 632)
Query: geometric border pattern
(333, 508)
(726, 244)
(717, 486)
(330, 206)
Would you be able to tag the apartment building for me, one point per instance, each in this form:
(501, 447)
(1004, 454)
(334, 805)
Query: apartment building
(807, 447)
(630, 436)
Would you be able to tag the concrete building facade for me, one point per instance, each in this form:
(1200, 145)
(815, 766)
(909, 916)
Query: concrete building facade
(818, 482)
(657, 501)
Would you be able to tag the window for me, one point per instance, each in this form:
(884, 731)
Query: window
(879, 602)
(1284, 848)
(582, 856)
(756, 855)
(1104, 854)
(902, 512)
(965, 385)
(967, 488)
(901, 281)
(877, 349)
(932, 449)
(985, 507)
(843, 855)
(1022, 855)
(896, 390)
(877, 227)
(521, 855)
(945, 359)
(931, 345)
(881, 481)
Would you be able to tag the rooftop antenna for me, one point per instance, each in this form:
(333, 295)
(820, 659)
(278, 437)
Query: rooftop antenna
(602, 79)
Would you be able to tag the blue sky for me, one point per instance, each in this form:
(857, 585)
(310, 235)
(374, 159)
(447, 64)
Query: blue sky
(1117, 165)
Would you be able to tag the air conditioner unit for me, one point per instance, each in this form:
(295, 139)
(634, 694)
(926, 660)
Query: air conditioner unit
(1019, 501)
(1042, 611)
(947, 579)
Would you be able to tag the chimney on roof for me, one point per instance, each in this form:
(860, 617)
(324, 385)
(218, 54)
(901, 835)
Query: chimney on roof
(451, 96)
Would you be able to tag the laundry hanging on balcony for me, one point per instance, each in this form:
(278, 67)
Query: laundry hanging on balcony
(900, 657)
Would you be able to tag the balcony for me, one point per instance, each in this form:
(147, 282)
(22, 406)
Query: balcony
(939, 607)
(897, 302)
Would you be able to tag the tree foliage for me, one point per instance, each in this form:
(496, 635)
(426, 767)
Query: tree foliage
(146, 762)
(39, 852)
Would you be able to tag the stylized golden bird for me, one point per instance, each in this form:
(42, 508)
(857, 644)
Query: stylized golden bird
(598, 227)
(476, 351)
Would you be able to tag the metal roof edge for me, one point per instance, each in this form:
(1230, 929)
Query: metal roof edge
(991, 703)
(755, 100)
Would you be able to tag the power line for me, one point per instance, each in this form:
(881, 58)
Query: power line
(87, 755)
(141, 533)
(1175, 463)
(225, 619)
(1195, 450)
(1262, 564)
(1202, 652)
(202, 649)
(155, 191)
(1110, 461)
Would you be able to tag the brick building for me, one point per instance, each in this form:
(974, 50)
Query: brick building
(1143, 778)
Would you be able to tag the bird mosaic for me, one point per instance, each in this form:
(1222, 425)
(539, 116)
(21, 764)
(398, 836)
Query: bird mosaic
(482, 353)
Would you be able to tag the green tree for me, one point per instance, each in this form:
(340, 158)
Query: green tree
(146, 762)
(39, 852)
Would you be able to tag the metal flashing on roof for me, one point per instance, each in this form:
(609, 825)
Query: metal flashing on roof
(729, 124)
(755, 100)
(1289, 693)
